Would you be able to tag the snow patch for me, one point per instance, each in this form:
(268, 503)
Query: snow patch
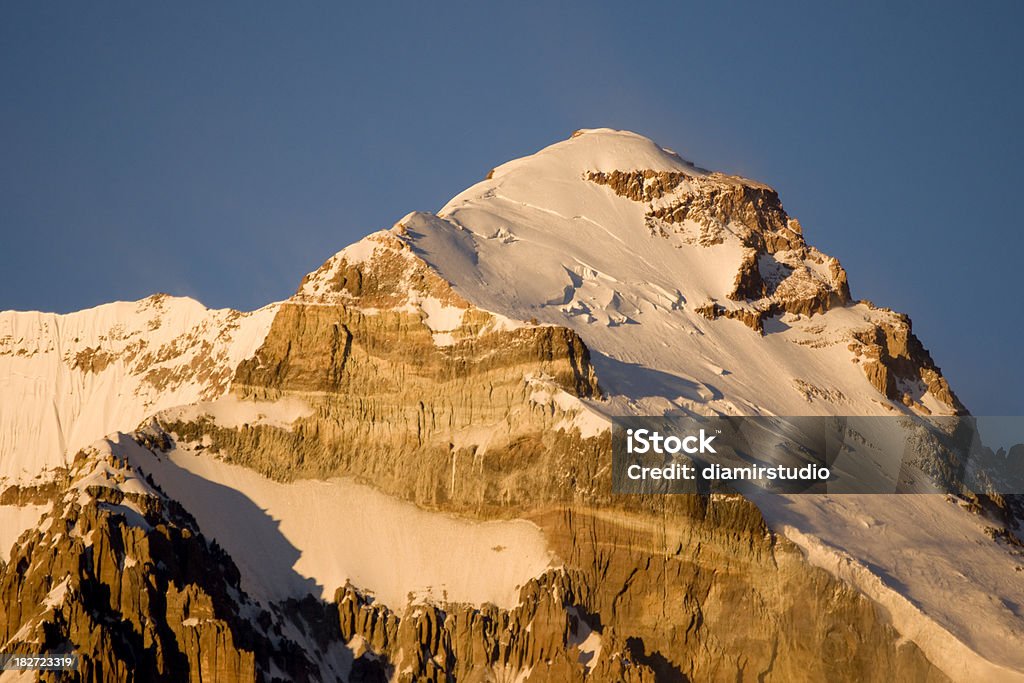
(909, 553)
(577, 414)
(16, 520)
(55, 597)
(314, 536)
(233, 412)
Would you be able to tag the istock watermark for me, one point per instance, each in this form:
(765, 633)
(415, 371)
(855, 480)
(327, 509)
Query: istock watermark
(833, 454)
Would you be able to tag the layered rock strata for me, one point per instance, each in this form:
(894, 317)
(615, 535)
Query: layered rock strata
(458, 426)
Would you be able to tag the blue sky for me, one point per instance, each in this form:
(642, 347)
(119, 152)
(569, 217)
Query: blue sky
(223, 150)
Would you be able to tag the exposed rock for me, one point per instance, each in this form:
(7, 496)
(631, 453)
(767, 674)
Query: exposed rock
(360, 348)
(93, 359)
(715, 201)
(813, 392)
(778, 272)
(753, 319)
(128, 583)
(895, 358)
(749, 283)
(539, 639)
(40, 494)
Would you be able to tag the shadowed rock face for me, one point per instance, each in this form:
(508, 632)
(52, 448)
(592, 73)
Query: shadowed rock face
(127, 582)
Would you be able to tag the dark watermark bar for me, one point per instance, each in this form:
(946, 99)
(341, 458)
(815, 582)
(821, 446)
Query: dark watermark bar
(883, 454)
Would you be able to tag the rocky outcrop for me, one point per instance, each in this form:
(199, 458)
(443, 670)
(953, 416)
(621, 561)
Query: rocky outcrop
(715, 201)
(778, 271)
(712, 310)
(38, 494)
(540, 640)
(121, 576)
(897, 364)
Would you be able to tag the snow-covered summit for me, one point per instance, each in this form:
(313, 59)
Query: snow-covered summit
(695, 290)
(596, 149)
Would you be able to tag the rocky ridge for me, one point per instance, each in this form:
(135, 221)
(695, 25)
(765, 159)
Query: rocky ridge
(122, 576)
(71, 379)
(778, 272)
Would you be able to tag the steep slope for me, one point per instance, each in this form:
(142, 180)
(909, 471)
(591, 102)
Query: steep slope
(67, 380)
(641, 253)
(120, 574)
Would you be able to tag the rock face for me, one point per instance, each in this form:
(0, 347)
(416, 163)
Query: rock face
(662, 611)
(540, 639)
(398, 368)
(656, 581)
(124, 577)
(121, 575)
(899, 366)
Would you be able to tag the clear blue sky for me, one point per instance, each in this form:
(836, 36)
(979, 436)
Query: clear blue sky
(222, 150)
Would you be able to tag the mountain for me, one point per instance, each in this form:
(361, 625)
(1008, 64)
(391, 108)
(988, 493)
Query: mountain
(68, 380)
(402, 472)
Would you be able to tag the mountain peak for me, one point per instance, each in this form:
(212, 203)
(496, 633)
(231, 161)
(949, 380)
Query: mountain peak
(655, 263)
(598, 149)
